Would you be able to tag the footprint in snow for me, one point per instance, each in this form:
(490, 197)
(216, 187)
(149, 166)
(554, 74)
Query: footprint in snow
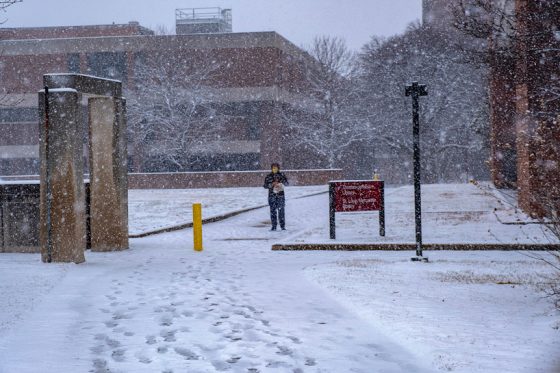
(295, 340)
(113, 343)
(310, 362)
(144, 360)
(162, 349)
(118, 355)
(119, 315)
(168, 335)
(233, 359)
(151, 339)
(234, 338)
(277, 364)
(111, 324)
(166, 320)
(284, 351)
(98, 350)
(186, 353)
(265, 322)
(100, 366)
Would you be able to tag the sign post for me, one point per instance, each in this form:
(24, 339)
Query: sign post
(354, 196)
(416, 91)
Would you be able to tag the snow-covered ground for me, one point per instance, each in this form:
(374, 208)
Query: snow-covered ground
(154, 209)
(240, 307)
(455, 213)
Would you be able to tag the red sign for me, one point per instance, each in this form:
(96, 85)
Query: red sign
(358, 195)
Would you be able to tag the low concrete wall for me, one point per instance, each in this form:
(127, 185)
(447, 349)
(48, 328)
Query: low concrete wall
(411, 247)
(19, 217)
(215, 179)
(226, 179)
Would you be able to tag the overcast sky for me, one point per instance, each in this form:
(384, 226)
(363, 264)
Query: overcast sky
(297, 20)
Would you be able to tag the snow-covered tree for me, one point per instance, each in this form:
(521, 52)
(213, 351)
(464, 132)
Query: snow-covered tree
(327, 125)
(170, 111)
(454, 117)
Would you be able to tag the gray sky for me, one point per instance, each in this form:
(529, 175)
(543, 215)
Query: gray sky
(297, 20)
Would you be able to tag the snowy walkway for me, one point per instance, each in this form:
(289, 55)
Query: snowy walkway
(161, 307)
(240, 307)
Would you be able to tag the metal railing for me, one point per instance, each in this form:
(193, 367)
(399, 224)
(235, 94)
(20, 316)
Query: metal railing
(187, 14)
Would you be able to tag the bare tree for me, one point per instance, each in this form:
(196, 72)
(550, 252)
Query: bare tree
(328, 126)
(454, 116)
(171, 111)
(6, 3)
(490, 20)
(162, 29)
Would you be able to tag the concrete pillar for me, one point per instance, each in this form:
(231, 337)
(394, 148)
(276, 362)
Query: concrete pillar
(108, 174)
(63, 210)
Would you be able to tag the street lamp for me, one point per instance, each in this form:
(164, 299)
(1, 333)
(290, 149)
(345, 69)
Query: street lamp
(417, 90)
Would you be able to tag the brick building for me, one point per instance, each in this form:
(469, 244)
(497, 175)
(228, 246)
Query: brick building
(524, 90)
(260, 74)
(538, 106)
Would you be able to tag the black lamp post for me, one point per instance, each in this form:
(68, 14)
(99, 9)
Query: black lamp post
(417, 90)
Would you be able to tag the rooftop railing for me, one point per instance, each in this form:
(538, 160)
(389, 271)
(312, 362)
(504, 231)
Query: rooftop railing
(202, 13)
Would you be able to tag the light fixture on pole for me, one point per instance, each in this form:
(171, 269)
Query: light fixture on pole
(416, 91)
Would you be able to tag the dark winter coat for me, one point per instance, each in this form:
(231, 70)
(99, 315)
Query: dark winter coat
(280, 177)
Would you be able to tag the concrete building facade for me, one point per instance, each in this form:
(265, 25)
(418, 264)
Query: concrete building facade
(258, 75)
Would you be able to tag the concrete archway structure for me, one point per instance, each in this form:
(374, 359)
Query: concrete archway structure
(63, 233)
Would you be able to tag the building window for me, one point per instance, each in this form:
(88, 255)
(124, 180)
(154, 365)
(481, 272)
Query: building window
(107, 65)
(74, 63)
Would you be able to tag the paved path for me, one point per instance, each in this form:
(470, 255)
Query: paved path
(237, 306)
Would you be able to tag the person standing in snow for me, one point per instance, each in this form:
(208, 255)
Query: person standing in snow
(275, 182)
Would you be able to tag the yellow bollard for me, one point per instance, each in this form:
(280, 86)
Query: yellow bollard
(197, 226)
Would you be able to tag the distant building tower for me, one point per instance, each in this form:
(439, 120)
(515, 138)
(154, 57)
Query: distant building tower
(202, 21)
(436, 13)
